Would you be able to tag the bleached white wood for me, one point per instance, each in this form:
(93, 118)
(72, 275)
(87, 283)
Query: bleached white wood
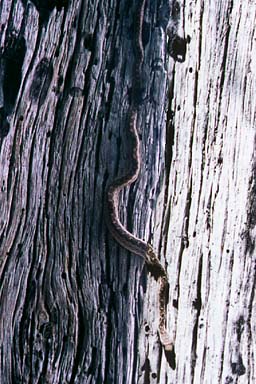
(211, 235)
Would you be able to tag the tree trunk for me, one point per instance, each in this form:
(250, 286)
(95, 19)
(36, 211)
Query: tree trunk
(75, 306)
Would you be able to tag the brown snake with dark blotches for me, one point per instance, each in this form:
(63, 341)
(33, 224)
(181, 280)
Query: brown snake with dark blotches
(117, 230)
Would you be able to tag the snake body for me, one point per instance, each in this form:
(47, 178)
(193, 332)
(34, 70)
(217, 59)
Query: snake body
(126, 239)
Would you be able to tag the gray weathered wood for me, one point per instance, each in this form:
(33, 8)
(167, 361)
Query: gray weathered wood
(75, 307)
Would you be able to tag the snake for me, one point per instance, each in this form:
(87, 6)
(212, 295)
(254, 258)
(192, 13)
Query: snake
(117, 230)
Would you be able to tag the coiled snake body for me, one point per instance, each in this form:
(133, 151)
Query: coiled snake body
(117, 230)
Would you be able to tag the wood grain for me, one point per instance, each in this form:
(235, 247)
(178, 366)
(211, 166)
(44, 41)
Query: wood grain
(75, 307)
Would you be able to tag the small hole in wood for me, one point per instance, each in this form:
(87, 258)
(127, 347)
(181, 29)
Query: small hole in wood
(63, 275)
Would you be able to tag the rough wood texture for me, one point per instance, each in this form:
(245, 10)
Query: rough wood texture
(75, 307)
(210, 216)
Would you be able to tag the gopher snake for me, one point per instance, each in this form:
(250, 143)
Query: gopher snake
(117, 230)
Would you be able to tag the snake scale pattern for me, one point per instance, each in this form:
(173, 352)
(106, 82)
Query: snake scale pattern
(126, 239)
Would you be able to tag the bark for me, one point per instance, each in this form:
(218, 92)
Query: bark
(75, 306)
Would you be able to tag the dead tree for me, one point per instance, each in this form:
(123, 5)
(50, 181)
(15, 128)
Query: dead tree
(76, 307)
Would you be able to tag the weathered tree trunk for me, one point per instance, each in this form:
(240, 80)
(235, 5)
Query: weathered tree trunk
(76, 307)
